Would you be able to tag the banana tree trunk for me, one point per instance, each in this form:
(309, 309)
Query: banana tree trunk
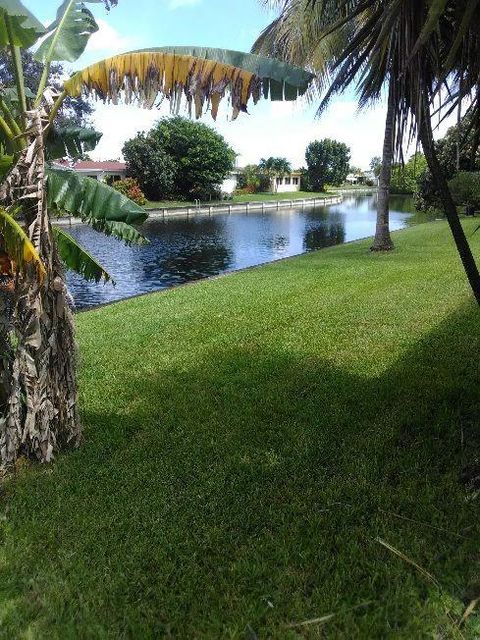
(41, 413)
(383, 240)
(463, 248)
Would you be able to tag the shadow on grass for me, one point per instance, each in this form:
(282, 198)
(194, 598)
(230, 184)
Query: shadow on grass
(250, 489)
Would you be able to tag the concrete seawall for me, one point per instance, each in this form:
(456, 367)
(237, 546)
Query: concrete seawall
(237, 207)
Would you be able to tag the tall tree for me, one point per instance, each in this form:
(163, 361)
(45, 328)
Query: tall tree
(383, 240)
(37, 368)
(327, 163)
(185, 159)
(429, 44)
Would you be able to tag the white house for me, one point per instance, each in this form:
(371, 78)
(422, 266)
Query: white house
(285, 184)
(361, 178)
(230, 183)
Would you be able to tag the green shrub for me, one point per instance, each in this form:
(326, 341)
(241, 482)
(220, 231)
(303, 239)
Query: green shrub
(465, 189)
(130, 188)
(249, 189)
(179, 158)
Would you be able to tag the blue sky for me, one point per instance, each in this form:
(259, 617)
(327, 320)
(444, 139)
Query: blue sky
(270, 129)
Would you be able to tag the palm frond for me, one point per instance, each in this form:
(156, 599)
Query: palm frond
(23, 25)
(69, 33)
(120, 230)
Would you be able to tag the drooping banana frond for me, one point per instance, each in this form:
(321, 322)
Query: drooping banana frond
(71, 140)
(77, 259)
(20, 22)
(202, 76)
(69, 33)
(90, 199)
(18, 246)
(120, 230)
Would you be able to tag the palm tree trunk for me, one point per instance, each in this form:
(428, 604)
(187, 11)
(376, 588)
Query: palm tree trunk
(383, 240)
(463, 248)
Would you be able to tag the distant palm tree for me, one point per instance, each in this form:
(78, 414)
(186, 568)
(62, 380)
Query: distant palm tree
(274, 168)
(417, 47)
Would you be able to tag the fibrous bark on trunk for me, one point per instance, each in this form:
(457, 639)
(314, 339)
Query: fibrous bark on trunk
(40, 396)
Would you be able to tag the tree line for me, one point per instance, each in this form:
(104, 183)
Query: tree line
(179, 159)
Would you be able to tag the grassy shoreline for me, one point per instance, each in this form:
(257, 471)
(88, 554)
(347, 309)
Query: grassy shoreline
(249, 439)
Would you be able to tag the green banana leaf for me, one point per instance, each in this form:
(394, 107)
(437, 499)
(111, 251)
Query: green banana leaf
(88, 199)
(120, 230)
(69, 32)
(78, 259)
(26, 29)
(71, 140)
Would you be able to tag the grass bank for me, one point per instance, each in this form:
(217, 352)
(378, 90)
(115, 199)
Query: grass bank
(249, 442)
(251, 197)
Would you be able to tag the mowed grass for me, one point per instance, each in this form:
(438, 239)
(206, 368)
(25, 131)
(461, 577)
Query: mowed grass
(249, 440)
(248, 197)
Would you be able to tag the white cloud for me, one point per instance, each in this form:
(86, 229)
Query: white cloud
(118, 124)
(271, 129)
(108, 40)
(177, 4)
(283, 129)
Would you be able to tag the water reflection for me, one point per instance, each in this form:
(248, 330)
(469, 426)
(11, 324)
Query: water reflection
(185, 249)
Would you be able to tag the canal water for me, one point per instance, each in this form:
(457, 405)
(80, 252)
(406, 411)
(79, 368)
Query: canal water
(184, 249)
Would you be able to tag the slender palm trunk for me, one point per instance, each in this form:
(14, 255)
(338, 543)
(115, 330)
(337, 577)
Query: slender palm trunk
(41, 412)
(463, 248)
(383, 240)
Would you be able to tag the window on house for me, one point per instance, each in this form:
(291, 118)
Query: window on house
(279, 180)
(295, 180)
(288, 181)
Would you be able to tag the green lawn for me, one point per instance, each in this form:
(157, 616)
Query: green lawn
(248, 441)
(255, 197)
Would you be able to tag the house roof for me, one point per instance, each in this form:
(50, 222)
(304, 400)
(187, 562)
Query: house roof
(92, 165)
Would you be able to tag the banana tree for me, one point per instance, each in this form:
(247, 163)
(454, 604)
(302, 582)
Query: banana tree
(38, 392)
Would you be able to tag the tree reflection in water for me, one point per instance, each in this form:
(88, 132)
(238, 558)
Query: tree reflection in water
(325, 235)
